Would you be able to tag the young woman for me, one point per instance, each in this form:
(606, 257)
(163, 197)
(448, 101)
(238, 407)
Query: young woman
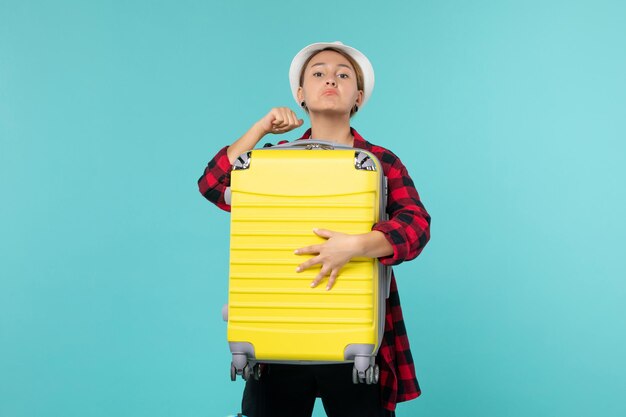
(331, 82)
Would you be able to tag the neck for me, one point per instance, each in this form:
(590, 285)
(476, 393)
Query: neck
(335, 128)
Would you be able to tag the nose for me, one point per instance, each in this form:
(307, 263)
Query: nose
(331, 82)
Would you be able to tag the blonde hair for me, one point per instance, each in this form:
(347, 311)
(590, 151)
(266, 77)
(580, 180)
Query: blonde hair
(355, 65)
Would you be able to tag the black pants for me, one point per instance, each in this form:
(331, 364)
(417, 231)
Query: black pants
(290, 391)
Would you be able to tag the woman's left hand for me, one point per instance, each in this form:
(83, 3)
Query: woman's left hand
(333, 254)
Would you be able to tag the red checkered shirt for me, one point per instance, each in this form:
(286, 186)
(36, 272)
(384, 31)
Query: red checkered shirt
(408, 231)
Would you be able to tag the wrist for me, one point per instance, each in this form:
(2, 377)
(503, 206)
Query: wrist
(259, 130)
(374, 244)
(360, 245)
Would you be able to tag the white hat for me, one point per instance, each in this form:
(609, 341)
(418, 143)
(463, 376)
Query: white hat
(298, 62)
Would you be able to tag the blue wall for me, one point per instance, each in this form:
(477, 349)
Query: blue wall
(510, 116)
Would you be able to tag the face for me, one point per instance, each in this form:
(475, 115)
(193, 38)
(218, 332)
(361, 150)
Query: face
(329, 84)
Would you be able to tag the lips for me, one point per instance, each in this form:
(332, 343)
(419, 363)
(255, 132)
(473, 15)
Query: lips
(329, 92)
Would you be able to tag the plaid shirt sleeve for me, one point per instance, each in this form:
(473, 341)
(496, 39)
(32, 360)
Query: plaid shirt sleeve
(408, 231)
(216, 179)
(408, 227)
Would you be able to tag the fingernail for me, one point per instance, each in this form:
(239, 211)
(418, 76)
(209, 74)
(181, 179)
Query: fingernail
(295, 251)
(298, 269)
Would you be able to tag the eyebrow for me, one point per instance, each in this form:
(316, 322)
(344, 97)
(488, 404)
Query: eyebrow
(339, 65)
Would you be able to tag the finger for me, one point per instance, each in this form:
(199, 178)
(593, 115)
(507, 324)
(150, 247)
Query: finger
(296, 122)
(319, 277)
(291, 117)
(289, 121)
(323, 233)
(281, 129)
(284, 115)
(281, 116)
(307, 264)
(331, 280)
(278, 121)
(307, 250)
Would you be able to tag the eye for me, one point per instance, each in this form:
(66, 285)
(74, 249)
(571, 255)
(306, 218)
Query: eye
(344, 76)
(317, 74)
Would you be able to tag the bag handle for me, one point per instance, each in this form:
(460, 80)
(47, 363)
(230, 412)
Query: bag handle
(310, 144)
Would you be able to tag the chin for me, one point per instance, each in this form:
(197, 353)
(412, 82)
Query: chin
(331, 111)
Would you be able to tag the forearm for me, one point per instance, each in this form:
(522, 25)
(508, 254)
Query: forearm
(245, 143)
(373, 244)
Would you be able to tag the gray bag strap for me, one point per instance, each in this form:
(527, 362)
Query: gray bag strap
(311, 144)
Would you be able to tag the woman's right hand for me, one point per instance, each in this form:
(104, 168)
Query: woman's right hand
(280, 120)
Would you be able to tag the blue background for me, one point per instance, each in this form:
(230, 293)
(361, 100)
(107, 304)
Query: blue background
(510, 116)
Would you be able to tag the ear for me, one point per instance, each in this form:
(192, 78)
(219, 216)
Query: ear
(300, 95)
(359, 98)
